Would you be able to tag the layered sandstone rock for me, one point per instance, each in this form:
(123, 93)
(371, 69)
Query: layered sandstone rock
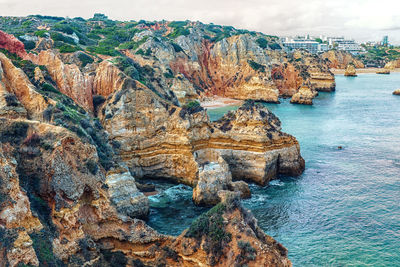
(287, 78)
(214, 177)
(63, 175)
(304, 96)
(161, 140)
(340, 59)
(396, 92)
(251, 142)
(16, 218)
(393, 64)
(13, 80)
(383, 71)
(350, 71)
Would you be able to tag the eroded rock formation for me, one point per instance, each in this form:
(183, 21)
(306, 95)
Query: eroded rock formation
(304, 96)
(340, 59)
(77, 129)
(350, 71)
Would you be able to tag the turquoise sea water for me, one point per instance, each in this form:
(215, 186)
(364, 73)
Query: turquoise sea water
(345, 209)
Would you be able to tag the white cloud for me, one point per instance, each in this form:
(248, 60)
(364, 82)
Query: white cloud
(360, 19)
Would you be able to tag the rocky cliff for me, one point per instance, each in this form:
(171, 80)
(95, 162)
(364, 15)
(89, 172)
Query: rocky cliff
(79, 129)
(340, 59)
(393, 64)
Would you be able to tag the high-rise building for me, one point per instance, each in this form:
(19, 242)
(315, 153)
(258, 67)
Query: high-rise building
(385, 40)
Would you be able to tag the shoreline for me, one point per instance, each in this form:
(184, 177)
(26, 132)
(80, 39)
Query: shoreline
(219, 102)
(363, 70)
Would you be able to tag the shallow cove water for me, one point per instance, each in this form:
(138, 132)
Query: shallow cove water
(345, 209)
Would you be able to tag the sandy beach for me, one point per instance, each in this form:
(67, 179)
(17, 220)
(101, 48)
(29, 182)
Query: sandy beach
(217, 102)
(364, 70)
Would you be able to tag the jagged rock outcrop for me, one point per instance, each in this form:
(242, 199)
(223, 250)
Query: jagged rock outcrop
(251, 247)
(350, 71)
(65, 186)
(251, 142)
(71, 195)
(215, 177)
(396, 92)
(287, 78)
(159, 139)
(393, 64)
(12, 44)
(304, 96)
(13, 80)
(16, 218)
(340, 59)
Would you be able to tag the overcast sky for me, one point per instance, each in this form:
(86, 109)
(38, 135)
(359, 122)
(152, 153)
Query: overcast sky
(359, 19)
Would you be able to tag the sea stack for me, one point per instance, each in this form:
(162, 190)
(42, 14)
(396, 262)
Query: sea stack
(396, 92)
(350, 71)
(383, 71)
(304, 96)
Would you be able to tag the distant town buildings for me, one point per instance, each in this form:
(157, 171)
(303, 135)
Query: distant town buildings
(306, 43)
(321, 44)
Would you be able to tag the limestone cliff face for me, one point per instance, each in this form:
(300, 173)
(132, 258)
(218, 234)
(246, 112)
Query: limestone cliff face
(16, 218)
(14, 81)
(161, 140)
(304, 96)
(71, 188)
(236, 68)
(65, 185)
(77, 84)
(251, 142)
(287, 78)
(339, 59)
(393, 64)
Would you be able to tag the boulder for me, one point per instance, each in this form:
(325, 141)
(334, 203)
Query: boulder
(350, 71)
(304, 96)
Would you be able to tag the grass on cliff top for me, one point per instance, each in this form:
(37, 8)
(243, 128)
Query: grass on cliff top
(210, 225)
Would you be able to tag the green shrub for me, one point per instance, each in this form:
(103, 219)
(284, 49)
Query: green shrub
(68, 48)
(263, 43)
(210, 226)
(29, 45)
(63, 28)
(275, 46)
(62, 38)
(140, 52)
(255, 66)
(176, 24)
(91, 165)
(85, 59)
(43, 248)
(14, 133)
(177, 47)
(50, 88)
(11, 100)
(169, 74)
(110, 51)
(178, 32)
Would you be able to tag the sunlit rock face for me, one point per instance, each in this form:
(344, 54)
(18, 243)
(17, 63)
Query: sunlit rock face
(350, 71)
(77, 129)
(158, 139)
(12, 44)
(304, 96)
(340, 59)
